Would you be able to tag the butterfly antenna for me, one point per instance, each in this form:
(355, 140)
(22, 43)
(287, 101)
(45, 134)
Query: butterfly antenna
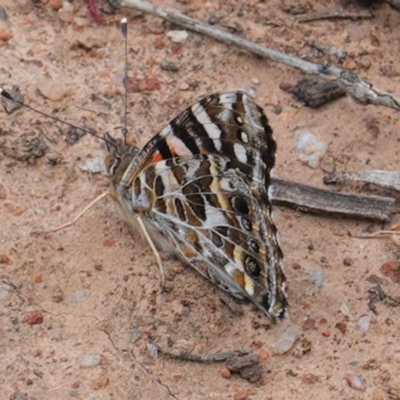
(124, 30)
(8, 96)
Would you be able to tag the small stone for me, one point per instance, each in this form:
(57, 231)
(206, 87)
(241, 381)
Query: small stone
(309, 324)
(296, 266)
(66, 12)
(355, 382)
(77, 296)
(4, 294)
(310, 149)
(109, 242)
(169, 66)
(177, 36)
(317, 278)
(58, 295)
(99, 383)
(34, 317)
(341, 326)
(213, 20)
(391, 269)
(91, 360)
(377, 394)
(243, 394)
(3, 194)
(364, 323)
(5, 36)
(225, 373)
(286, 86)
(263, 354)
(183, 86)
(51, 89)
(326, 332)
(255, 81)
(55, 4)
(385, 376)
(15, 209)
(350, 65)
(309, 378)
(285, 341)
(37, 278)
(347, 261)
(4, 259)
(365, 62)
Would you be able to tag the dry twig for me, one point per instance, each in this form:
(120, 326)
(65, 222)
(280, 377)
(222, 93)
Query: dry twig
(327, 14)
(320, 201)
(359, 89)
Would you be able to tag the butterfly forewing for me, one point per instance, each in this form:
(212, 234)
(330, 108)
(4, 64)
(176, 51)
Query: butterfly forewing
(200, 187)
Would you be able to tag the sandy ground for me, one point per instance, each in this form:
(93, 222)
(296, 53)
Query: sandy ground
(79, 306)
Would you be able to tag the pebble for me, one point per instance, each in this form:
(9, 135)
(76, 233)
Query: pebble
(364, 323)
(310, 149)
(262, 354)
(355, 382)
(34, 317)
(4, 294)
(309, 378)
(99, 383)
(317, 278)
(51, 89)
(3, 194)
(225, 372)
(55, 4)
(152, 350)
(77, 296)
(243, 394)
(350, 65)
(66, 12)
(4, 259)
(285, 341)
(341, 326)
(377, 394)
(91, 360)
(5, 36)
(37, 278)
(183, 86)
(177, 36)
(391, 269)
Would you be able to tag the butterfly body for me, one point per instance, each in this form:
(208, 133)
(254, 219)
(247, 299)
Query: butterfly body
(200, 187)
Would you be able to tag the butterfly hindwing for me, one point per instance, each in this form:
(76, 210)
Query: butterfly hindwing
(201, 188)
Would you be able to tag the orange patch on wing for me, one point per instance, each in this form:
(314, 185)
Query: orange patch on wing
(238, 276)
(157, 157)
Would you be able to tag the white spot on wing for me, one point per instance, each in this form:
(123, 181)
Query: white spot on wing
(240, 152)
(212, 130)
(244, 137)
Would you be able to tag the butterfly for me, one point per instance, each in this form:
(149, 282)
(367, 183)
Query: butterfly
(199, 190)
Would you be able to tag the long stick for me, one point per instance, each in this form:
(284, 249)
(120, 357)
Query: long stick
(362, 91)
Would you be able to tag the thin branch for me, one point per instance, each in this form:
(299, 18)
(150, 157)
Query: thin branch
(359, 89)
(215, 357)
(320, 201)
(327, 14)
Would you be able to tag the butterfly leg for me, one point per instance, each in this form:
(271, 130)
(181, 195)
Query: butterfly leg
(155, 251)
(90, 205)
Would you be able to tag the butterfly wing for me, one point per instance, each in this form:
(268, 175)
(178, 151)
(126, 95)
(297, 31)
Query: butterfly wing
(200, 187)
(205, 212)
(228, 124)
